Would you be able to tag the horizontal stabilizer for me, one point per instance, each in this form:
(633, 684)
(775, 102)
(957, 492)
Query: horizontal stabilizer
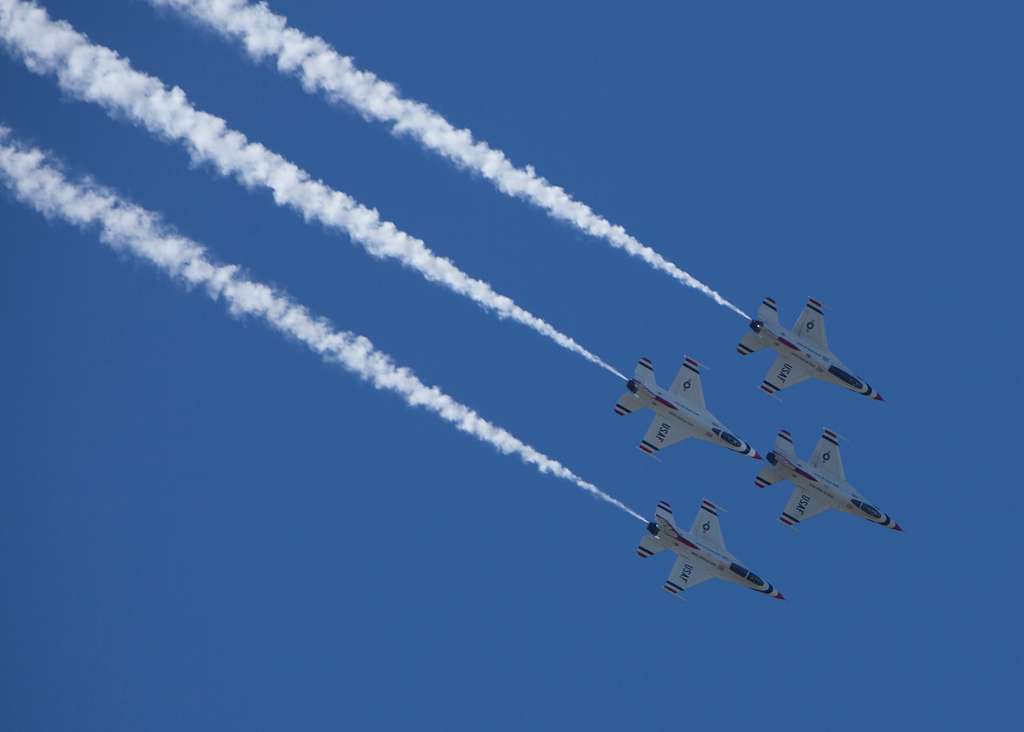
(767, 475)
(664, 511)
(644, 373)
(649, 546)
(749, 343)
(627, 404)
(784, 444)
(768, 313)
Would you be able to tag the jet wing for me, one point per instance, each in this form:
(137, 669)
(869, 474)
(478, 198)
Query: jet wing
(826, 457)
(687, 385)
(811, 324)
(706, 526)
(802, 506)
(784, 373)
(662, 433)
(686, 573)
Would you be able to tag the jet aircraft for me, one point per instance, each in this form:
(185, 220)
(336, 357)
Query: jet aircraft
(679, 412)
(820, 484)
(701, 552)
(803, 351)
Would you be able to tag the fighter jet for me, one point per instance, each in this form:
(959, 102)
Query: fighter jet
(820, 484)
(701, 552)
(803, 351)
(679, 413)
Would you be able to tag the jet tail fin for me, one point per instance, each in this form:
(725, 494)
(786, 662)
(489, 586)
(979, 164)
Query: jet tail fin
(649, 546)
(768, 313)
(784, 444)
(664, 512)
(749, 343)
(627, 404)
(644, 373)
(769, 473)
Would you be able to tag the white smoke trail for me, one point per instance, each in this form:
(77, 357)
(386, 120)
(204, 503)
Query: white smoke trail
(98, 74)
(37, 181)
(319, 67)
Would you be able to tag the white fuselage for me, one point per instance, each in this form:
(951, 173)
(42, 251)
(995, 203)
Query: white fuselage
(662, 402)
(807, 478)
(723, 565)
(840, 494)
(702, 423)
(823, 364)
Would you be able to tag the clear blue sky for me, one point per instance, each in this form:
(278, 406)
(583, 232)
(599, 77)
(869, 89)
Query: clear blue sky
(203, 527)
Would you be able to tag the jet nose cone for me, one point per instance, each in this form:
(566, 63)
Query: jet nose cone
(879, 398)
(755, 454)
(897, 527)
(779, 596)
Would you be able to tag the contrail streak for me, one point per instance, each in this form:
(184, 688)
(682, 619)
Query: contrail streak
(98, 74)
(39, 183)
(320, 68)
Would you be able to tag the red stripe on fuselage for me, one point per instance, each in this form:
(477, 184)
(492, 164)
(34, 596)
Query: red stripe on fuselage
(806, 474)
(784, 342)
(681, 540)
(668, 404)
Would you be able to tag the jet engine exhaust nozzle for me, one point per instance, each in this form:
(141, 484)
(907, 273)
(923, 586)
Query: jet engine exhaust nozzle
(772, 458)
(652, 529)
(756, 325)
(632, 385)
